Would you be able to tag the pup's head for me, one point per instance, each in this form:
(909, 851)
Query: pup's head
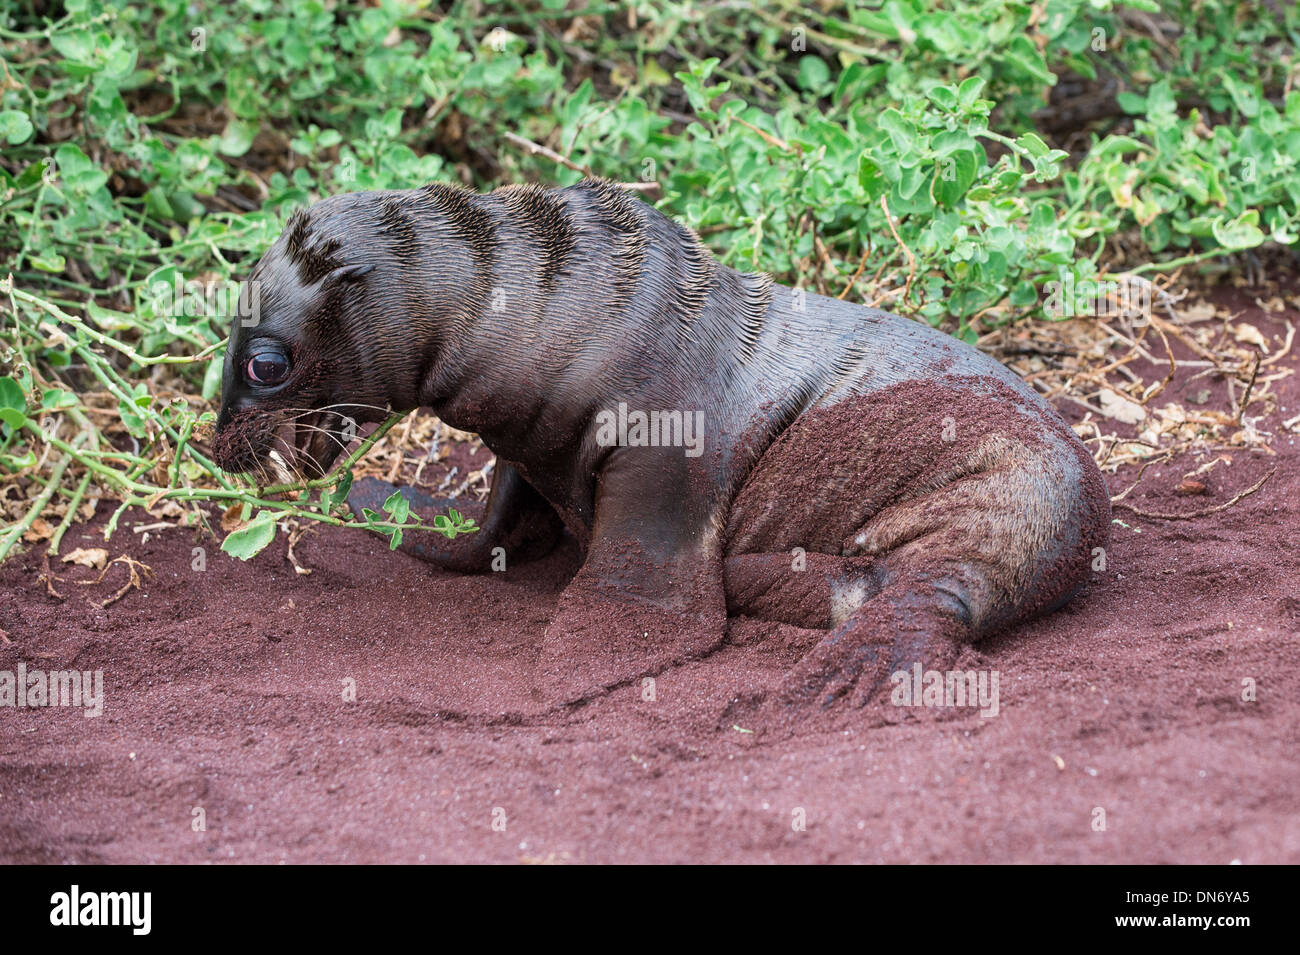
(299, 376)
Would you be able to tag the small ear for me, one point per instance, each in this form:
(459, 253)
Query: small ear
(347, 273)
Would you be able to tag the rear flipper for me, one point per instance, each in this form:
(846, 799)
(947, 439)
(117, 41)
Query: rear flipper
(900, 627)
(883, 616)
(517, 524)
(926, 577)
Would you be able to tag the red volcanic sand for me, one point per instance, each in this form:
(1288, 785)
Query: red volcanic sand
(223, 691)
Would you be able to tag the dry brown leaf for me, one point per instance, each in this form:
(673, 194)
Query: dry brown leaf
(167, 508)
(1251, 335)
(87, 557)
(41, 530)
(1121, 409)
(1198, 312)
(230, 518)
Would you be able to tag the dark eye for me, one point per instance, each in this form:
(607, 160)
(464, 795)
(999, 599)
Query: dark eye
(268, 367)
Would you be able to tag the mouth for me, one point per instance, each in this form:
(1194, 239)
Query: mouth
(304, 448)
(291, 450)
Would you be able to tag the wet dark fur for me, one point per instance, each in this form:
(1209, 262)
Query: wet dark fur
(522, 313)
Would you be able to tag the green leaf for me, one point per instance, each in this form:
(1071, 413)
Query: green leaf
(251, 539)
(943, 97)
(237, 138)
(127, 410)
(1117, 146)
(51, 262)
(1162, 107)
(954, 174)
(1022, 53)
(911, 182)
(56, 399)
(857, 78)
(1033, 144)
(32, 174)
(75, 45)
(950, 141)
(969, 91)
(1242, 232)
(872, 178)
(398, 507)
(75, 168)
(900, 18)
(902, 132)
(1245, 96)
(344, 486)
(15, 126)
(1135, 104)
(813, 72)
(107, 319)
(1024, 295)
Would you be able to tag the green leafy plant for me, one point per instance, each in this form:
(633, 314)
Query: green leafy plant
(908, 154)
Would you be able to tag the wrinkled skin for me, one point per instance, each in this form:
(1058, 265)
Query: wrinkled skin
(935, 497)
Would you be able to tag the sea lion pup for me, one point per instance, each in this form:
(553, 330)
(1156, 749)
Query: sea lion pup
(853, 470)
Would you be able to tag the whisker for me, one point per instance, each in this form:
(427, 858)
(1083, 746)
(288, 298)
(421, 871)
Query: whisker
(293, 419)
(326, 431)
(340, 404)
(257, 475)
(357, 404)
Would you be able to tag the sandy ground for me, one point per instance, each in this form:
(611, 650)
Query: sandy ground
(224, 693)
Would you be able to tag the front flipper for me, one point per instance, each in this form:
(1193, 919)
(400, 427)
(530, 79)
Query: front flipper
(516, 519)
(650, 593)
